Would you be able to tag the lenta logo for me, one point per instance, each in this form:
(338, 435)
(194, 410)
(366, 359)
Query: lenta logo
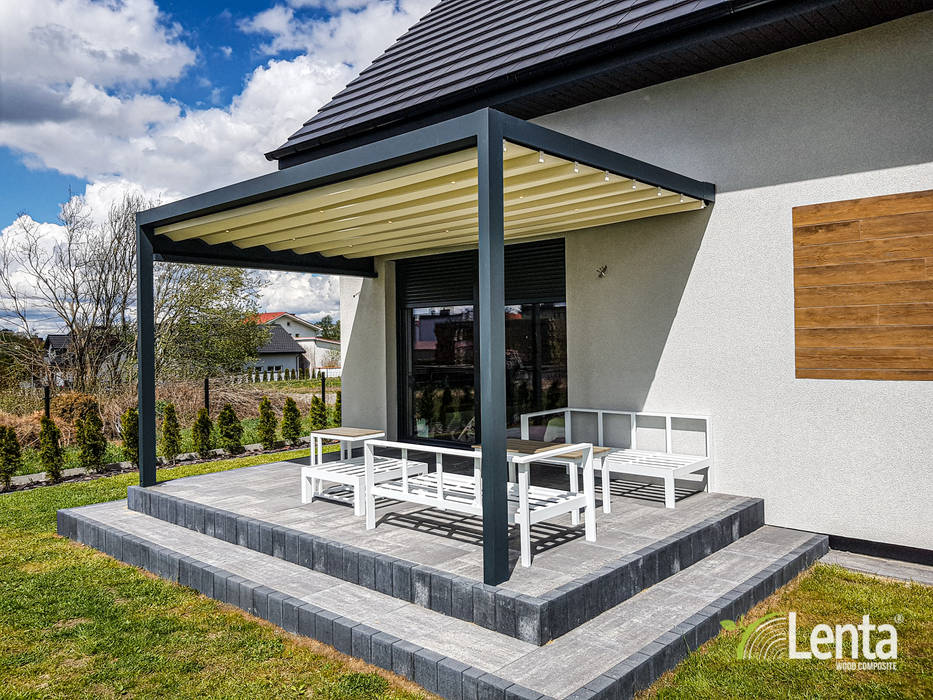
(774, 636)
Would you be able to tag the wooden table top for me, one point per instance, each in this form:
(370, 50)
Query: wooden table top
(530, 447)
(347, 432)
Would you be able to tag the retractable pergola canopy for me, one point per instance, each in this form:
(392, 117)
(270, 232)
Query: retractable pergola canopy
(432, 204)
(480, 180)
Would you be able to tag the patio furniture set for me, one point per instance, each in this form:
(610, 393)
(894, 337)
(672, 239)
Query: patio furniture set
(362, 479)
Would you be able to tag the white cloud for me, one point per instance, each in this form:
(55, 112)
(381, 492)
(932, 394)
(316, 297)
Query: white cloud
(358, 33)
(76, 79)
(309, 296)
(106, 43)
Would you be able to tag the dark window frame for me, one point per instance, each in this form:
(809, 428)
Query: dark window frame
(528, 263)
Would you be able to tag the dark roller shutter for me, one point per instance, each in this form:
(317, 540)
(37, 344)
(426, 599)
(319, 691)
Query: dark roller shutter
(534, 272)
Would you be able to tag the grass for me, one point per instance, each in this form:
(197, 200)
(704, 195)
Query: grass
(75, 623)
(824, 594)
(301, 386)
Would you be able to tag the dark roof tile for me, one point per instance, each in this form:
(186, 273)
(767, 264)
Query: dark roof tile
(280, 342)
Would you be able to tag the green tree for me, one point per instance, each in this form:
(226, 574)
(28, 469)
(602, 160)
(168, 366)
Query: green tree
(318, 413)
(129, 431)
(208, 320)
(230, 430)
(11, 458)
(92, 445)
(171, 433)
(291, 422)
(50, 449)
(330, 329)
(338, 409)
(267, 424)
(201, 434)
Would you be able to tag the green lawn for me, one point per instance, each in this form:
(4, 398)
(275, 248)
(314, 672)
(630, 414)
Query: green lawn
(824, 594)
(75, 623)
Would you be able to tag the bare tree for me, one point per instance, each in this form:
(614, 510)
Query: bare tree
(86, 284)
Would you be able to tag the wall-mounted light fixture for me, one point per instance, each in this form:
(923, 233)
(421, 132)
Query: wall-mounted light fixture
(601, 271)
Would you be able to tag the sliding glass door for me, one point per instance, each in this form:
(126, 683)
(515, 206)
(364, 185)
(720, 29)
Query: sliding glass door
(437, 371)
(440, 380)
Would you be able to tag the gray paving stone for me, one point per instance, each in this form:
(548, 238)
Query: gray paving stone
(362, 642)
(679, 607)
(426, 669)
(403, 658)
(381, 647)
(450, 678)
(343, 634)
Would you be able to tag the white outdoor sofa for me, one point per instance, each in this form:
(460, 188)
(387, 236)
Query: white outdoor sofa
(665, 464)
(464, 493)
(351, 472)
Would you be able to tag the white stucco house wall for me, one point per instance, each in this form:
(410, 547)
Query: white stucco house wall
(695, 313)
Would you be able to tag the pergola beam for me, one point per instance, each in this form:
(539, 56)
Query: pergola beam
(491, 332)
(450, 141)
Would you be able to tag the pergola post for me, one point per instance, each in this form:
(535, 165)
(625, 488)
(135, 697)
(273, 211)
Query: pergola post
(145, 352)
(491, 327)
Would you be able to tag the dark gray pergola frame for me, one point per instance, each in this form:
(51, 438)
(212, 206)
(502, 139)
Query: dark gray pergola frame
(485, 129)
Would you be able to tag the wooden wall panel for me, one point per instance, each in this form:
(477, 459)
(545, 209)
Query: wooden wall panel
(863, 288)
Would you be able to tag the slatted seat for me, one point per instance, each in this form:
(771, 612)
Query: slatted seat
(666, 465)
(461, 493)
(352, 474)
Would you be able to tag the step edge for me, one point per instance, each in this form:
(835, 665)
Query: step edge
(437, 673)
(643, 667)
(533, 619)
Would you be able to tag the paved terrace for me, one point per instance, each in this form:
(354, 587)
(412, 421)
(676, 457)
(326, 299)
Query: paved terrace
(449, 541)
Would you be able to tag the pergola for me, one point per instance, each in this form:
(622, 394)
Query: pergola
(475, 181)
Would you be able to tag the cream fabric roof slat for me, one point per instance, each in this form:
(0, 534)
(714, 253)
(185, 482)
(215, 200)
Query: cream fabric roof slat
(358, 190)
(520, 224)
(294, 203)
(451, 242)
(557, 206)
(431, 204)
(303, 236)
(336, 217)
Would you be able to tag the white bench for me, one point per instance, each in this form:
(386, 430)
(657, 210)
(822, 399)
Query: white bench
(352, 473)
(460, 493)
(665, 464)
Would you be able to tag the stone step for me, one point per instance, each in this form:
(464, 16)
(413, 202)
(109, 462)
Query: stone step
(615, 654)
(537, 618)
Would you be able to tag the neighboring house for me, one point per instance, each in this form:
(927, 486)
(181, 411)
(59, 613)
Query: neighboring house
(281, 352)
(317, 352)
(293, 325)
(721, 209)
(320, 353)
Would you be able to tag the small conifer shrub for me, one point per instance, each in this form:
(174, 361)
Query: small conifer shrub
(291, 422)
(267, 424)
(171, 433)
(50, 450)
(11, 458)
(92, 445)
(318, 413)
(230, 430)
(129, 431)
(201, 434)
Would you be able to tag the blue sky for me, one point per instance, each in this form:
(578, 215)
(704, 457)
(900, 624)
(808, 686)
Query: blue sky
(227, 56)
(171, 98)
